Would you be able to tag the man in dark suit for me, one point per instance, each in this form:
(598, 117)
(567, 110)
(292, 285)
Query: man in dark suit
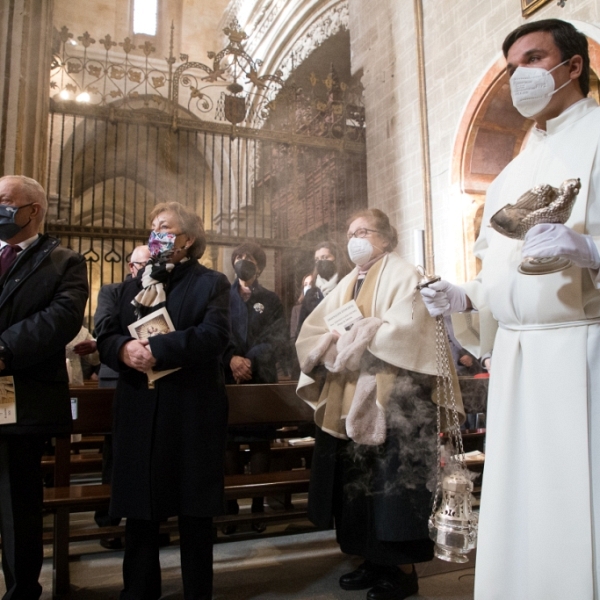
(107, 378)
(107, 300)
(43, 291)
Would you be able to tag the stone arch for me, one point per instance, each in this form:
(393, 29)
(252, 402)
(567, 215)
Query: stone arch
(286, 33)
(490, 134)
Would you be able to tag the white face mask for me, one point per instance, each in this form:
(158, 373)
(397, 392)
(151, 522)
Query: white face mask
(305, 290)
(532, 89)
(360, 250)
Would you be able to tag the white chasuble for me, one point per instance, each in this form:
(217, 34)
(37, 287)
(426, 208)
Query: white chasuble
(539, 526)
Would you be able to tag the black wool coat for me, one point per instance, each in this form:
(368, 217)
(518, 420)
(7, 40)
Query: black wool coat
(258, 332)
(42, 303)
(169, 442)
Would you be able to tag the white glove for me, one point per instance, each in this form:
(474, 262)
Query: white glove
(443, 298)
(552, 239)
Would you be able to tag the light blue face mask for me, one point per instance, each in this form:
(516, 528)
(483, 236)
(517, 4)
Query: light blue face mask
(161, 243)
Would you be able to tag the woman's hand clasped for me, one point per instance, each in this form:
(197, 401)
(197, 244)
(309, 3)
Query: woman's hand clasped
(241, 368)
(137, 355)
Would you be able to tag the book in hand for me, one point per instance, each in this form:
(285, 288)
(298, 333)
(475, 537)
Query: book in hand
(156, 323)
(342, 318)
(8, 404)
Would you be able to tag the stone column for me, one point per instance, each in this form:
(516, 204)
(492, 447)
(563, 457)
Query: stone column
(25, 58)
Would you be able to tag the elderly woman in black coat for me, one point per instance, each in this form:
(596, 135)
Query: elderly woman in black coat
(169, 437)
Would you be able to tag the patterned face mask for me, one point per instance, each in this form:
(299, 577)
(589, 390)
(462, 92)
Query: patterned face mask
(161, 243)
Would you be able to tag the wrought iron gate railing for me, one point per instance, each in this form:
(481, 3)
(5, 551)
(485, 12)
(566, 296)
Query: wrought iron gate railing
(286, 184)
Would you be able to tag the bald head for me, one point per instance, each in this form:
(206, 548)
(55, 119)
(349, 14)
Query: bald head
(30, 188)
(29, 197)
(139, 258)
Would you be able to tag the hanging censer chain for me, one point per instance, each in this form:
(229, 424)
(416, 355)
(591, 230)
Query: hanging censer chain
(426, 281)
(448, 400)
(452, 524)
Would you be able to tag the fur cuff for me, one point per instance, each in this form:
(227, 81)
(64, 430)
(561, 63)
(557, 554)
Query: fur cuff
(352, 345)
(320, 350)
(365, 423)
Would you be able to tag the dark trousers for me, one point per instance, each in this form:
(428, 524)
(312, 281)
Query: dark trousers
(21, 497)
(141, 565)
(260, 461)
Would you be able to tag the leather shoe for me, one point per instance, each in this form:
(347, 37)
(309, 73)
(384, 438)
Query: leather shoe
(259, 526)
(112, 543)
(362, 578)
(394, 584)
(229, 529)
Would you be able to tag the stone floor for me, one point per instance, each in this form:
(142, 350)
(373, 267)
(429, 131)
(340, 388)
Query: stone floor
(292, 562)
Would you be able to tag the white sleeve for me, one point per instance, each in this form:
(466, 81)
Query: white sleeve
(476, 330)
(592, 225)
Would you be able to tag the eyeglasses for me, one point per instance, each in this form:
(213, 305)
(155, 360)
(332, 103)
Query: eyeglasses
(139, 265)
(361, 232)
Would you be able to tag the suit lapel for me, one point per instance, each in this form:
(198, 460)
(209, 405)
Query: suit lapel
(25, 266)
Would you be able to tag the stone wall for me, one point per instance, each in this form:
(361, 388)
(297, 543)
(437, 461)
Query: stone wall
(462, 41)
(196, 23)
(25, 40)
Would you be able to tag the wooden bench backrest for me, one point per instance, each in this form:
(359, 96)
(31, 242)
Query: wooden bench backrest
(270, 403)
(274, 404)
(93, 410)
(267, 403)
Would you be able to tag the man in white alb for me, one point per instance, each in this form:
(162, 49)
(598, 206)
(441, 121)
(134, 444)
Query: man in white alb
(540, 511)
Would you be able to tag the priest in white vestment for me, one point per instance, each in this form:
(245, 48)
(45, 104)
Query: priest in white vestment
(540, 508)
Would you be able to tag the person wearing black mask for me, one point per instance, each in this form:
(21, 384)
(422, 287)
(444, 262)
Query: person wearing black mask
(259, 335)
(43, 293)
(330, 267)
(258, 328)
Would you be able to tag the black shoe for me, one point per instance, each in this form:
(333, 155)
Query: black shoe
(229, 529)
(112, 543)
(394, 584)
(366, 576)
(259, 526)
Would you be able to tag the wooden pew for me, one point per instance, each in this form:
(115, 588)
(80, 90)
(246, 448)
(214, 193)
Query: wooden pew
(275, 404)
(94, 416)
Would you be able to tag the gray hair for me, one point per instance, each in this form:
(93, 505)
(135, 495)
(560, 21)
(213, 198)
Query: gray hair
(32, 190)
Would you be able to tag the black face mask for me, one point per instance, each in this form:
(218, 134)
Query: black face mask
(326, 269)
(244, 269)
(8, 227)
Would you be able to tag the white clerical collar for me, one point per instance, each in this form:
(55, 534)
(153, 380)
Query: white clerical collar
(567, 117)
(24, 244)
